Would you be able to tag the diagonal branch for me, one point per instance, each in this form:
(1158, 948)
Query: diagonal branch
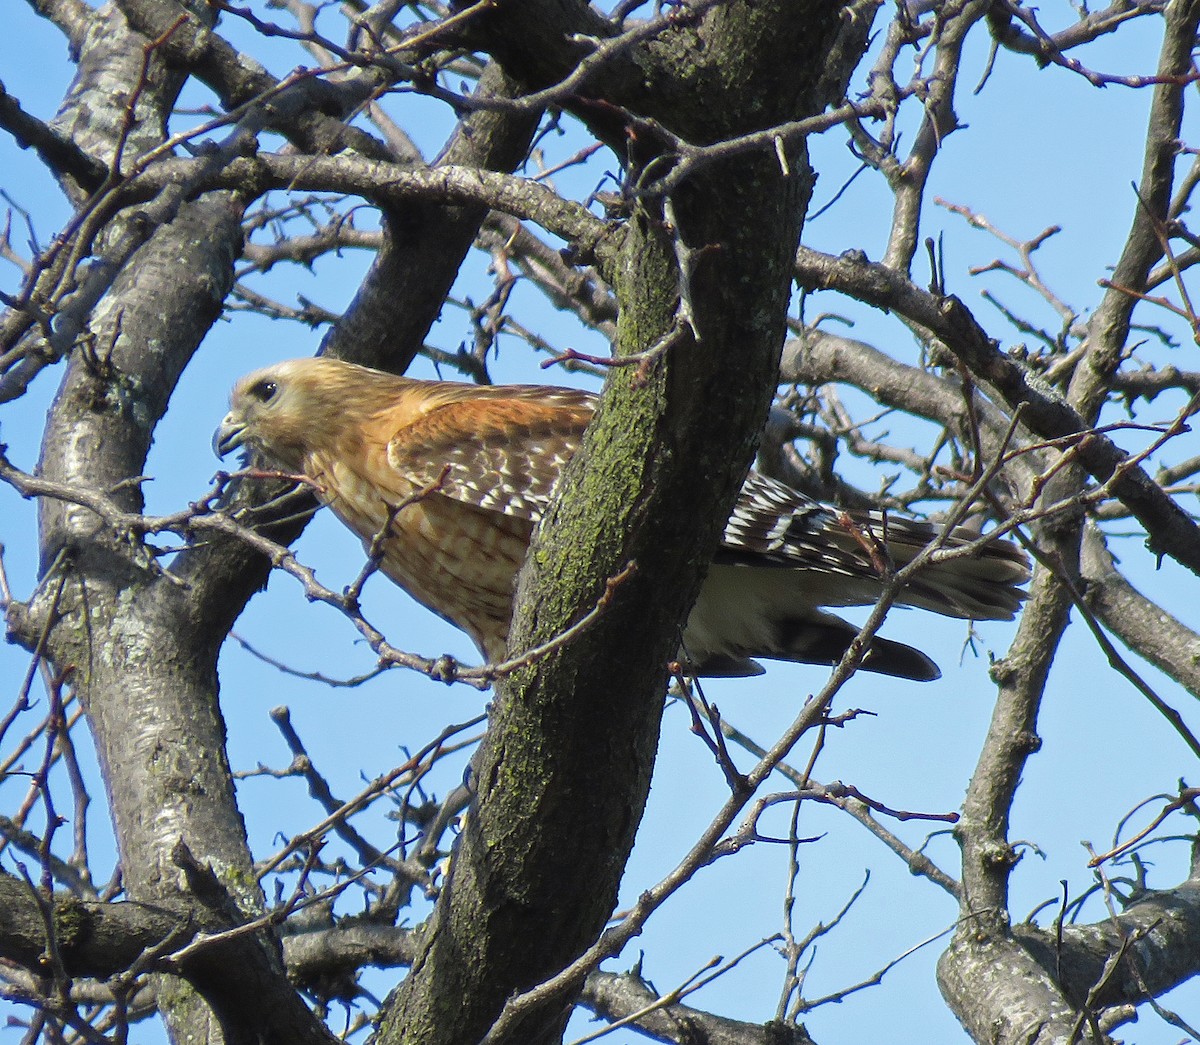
(1170, 531)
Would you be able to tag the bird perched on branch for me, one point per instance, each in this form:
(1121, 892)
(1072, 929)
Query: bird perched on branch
(446, 481)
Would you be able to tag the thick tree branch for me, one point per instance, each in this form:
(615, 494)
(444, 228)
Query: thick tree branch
(584, 721)
(627, 997)
(1108, 329)
(390, 185)
(1143, 626)
(152, 706)
(425, 242)
(57, 151)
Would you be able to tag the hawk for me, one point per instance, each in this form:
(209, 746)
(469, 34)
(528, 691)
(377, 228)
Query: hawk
(446, 482)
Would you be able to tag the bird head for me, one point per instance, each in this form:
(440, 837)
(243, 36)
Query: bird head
(279, 413)
(286, 412)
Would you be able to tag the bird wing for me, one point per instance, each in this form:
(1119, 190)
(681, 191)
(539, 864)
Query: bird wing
(849, 553)
(500, 449)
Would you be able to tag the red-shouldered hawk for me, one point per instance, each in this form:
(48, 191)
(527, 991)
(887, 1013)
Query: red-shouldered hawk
(489, 458)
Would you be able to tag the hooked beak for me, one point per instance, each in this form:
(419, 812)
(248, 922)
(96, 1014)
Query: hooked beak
(230, 434)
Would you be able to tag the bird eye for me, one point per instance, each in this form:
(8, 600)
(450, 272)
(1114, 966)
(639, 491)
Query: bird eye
(264, 391)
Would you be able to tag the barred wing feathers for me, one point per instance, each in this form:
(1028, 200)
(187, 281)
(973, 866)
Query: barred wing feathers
(502, 451)
(785, 555)
(774, 524)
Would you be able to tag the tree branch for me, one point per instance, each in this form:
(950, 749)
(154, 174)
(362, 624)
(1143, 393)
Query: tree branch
(1170, 531)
